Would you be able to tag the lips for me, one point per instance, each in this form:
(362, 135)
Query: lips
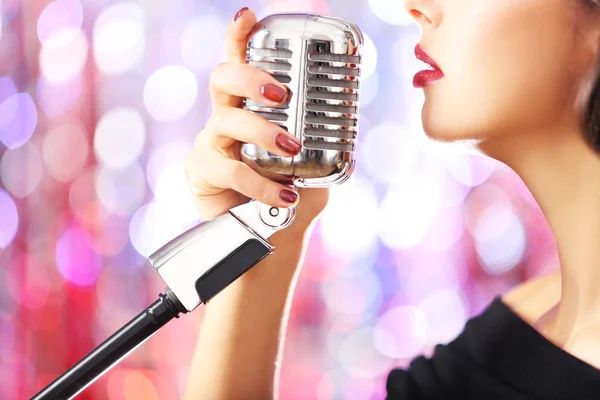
(425, 77)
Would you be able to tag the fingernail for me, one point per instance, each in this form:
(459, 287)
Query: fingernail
(288, 196)
(273, 92)
(287, 143)
(239, 13)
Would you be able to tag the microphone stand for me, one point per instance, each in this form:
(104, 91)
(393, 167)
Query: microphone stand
(196, 266)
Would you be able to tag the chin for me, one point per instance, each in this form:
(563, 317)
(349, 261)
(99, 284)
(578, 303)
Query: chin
(452, 128)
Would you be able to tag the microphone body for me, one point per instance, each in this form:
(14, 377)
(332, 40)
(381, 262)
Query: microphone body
(317, 57)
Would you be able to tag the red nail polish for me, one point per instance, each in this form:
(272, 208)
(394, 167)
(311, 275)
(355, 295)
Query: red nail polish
(273, 92)
(239, 13)
(288, 196)
(288, 144)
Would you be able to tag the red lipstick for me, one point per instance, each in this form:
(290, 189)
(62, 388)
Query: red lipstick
(427, 76)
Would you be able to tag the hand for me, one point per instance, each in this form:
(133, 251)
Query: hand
(218, 178)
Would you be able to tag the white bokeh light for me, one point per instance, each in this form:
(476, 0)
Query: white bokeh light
(153, 225)
(121, 191)
(65, 151)
(351, 296)
(59, 22)
(119, 38)
(369, 58)
(172, 191)
(170, 92)
(64, 58)
(499, 239)
(470, 170)
(360, 358)
(389, 152)
(446, 312)
(21, 170)
(199, 39)
(353, 235)
(368, 90)
(162, 157)
(120, 137)
(391, 11)
(407, 211)
(401, 332)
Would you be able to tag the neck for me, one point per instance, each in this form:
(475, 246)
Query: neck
(563, 175)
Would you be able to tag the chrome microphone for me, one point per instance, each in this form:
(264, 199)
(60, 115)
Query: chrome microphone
(318, 58)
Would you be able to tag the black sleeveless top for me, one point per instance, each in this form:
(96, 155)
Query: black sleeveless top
(497, 356)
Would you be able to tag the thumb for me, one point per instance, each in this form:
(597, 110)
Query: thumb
(238, 34)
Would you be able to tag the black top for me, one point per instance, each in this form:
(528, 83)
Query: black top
(497, 356)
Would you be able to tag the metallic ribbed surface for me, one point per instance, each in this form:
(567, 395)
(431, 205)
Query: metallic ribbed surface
(317, 57)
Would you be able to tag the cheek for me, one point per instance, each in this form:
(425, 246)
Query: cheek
(514, 74)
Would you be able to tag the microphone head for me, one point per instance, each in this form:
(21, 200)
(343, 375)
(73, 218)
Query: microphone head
(318, 57)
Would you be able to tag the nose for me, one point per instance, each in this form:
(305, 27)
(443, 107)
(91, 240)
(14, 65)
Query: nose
(427, 13)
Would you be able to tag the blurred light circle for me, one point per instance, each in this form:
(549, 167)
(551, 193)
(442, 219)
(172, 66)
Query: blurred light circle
(162, 157)
(345, 235)
(7, 335)
(75, 260)
(392, 12)
(59, 22)
(173, 192)
(139, 386)
(153, 225)
(84, 201)
(9, 219)
(369, 58)
(401, 332)
(359, 358)
(446, 229)
(170, 92)
(407, 211)
(199, 39)
(65, 151)
(57, 100)
(21, 170)
(315, 6)
(351, 296)
(446, 312)
(18, 120)
(110, 237)
(469, 170)
(120, 137)
(388, 152)
(369, 89)
(11, 52)
(7, 88)
(65, 59)
(431, 272)
(121, 191)
(119, 38)
(500, 239)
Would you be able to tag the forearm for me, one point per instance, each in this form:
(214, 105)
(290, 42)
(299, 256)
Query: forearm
(244, 326)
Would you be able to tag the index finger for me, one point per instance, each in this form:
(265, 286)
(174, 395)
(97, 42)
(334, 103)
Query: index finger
(238, 33)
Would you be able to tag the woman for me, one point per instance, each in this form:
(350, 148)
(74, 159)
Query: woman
(520, 78)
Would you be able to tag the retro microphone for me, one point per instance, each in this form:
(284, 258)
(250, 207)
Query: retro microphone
(318, 57)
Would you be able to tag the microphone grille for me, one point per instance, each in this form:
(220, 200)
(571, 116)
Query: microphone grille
(319, 58)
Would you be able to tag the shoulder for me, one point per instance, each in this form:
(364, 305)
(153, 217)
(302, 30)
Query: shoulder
(531, 299)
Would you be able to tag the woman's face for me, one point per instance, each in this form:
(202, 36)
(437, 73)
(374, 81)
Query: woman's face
(509, 66)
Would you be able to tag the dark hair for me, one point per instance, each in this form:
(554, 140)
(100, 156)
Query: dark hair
(591, 118)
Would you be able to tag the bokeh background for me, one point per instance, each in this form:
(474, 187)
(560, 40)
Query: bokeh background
(100, 101)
